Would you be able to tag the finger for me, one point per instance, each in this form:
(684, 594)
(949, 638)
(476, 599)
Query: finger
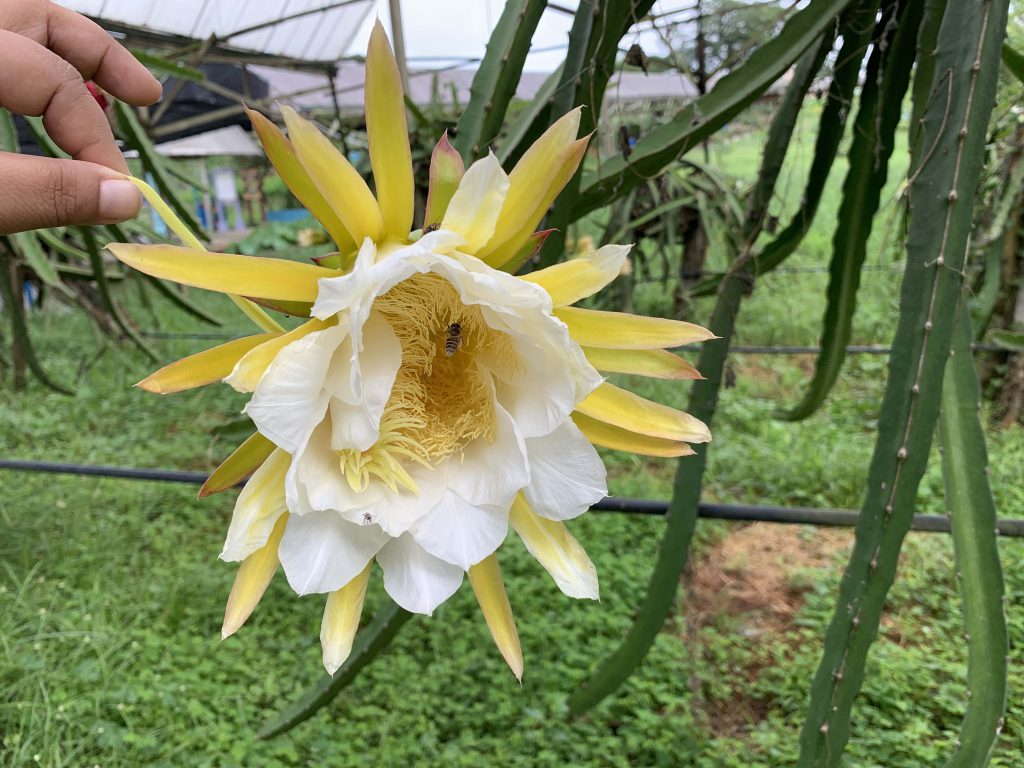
(41, 192)
(38, 82)
(85, 45)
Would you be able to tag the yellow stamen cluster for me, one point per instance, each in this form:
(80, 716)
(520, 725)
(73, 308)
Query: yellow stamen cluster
(383, 459)
(440, 401)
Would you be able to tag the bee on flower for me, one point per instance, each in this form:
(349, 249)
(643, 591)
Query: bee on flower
(433, 399)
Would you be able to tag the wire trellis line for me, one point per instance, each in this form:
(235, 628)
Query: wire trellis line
(835, 518)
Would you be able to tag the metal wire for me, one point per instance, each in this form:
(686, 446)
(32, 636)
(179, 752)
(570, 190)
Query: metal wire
(839, 518)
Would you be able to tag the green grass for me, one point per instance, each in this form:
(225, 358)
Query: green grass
(111, 593)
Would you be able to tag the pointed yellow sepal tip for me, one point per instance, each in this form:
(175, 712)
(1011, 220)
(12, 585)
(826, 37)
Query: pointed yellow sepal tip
(206, 367)
(341, 620)
(338, 182)
(446, 171)
(485, 577)
(388, 135)
(252, 580)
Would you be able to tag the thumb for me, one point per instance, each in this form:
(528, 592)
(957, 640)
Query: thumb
(40, 192)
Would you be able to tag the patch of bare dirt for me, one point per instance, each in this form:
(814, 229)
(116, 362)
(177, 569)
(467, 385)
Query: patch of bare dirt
(754, 580)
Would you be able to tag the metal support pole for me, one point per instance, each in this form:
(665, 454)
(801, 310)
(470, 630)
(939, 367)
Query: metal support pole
(398, 41)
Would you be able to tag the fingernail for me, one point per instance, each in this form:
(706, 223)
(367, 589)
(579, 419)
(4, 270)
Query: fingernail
(119, 200)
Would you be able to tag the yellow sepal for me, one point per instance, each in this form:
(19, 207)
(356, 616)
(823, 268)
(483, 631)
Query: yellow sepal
(264, 278)
(576, 279)
(246, 459)
(550, 542)
(247, 372)
(622, 408)
(339, 183)
(654, 363)
(535, 174)
(620, 330)
(446, 171)
(281, 153)
(388, 135)
(619, 439)
(489, 588)
(341, 620)
(497, 252)
(251, 581)
(260, 318)
(202, 368)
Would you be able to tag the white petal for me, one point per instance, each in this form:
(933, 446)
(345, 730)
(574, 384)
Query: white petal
(478, 283)
(375, 274)
(290, 400)
(321, 552)
(415, 579)
(397, 512)
(257, 508)
(315, 481)
(347, 292)
(360, 380)
(476, 204)
(567, 476)
(461, 533)
(539, 403)
(491, 472)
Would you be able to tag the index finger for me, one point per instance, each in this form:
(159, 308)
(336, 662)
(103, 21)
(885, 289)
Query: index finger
(86, 46)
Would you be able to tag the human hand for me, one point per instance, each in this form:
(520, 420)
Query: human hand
(46, 54)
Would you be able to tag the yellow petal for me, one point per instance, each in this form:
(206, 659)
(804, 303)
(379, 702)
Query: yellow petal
(388, 135)
(619, 439)
(477, 203)
(260, 318)
(620, 330)
(497, 253)
(446, 171)
(485, 577)
(247, 372)
(339, 183)
(224, 272)
(283, 156)
(555, 548)
(341, 620)
(246, 459)
(251, 581)
(576, 279)
(202, 368)
(534, 174)
(624, 409)
(654, 363)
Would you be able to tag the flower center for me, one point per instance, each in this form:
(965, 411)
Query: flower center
(442, 399)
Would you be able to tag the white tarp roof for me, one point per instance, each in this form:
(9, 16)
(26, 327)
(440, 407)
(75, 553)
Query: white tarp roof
(323, 35)
(624, 86)
(436, 32)
(232, 141)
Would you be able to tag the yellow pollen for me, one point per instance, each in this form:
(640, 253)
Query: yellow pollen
(440, 401)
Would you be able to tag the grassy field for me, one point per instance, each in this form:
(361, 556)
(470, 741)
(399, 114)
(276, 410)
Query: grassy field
(111, 594)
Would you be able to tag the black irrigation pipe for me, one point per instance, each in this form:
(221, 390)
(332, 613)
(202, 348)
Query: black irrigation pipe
(841, 518)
